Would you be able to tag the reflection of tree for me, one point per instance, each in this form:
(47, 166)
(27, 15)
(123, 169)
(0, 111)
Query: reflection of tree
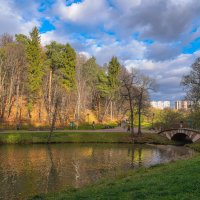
(136, 156)
(52, 175)
(76, 165)
(133, 157)
(140, 155)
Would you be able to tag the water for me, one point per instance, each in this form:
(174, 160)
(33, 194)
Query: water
(28, 170)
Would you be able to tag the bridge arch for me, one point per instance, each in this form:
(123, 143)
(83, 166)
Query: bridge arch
(181, 137)
(189, 135)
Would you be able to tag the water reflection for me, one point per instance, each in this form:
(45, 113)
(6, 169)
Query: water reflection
(30, 170)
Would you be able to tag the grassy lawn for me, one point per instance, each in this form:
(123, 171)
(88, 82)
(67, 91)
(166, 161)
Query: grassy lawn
(174, 181)
(24, 137)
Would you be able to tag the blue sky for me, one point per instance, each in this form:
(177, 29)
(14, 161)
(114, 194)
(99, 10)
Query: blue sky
(159, 37)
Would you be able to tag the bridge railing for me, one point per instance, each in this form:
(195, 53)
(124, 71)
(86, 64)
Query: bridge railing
(178, 129)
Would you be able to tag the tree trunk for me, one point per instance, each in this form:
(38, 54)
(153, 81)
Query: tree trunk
(139, 113)
(105, 110)
(49, 92)
(132, 124)
(99, 109)
(139, 121)
(17, 108)
(111, 110)
(132, 115)
(39, 112)
(53, 121)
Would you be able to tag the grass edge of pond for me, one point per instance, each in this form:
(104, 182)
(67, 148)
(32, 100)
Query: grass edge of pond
(80, 137)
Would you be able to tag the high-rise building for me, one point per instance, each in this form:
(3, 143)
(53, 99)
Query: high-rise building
(182, 105)
(160, 104)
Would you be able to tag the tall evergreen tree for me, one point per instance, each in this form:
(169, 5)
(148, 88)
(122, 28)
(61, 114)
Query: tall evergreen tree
(62, 59)
(113, 73)
(35, 65)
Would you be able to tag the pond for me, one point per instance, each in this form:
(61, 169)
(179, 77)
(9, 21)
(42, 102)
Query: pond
(27, 170)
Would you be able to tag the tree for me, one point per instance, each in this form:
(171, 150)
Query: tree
(144, 84)
(113, 78)
(113, 73)
(102, 91)
(81, 90)
(6, 39)
(35, 68)
(12, 72)
(168, 118)
(61, 59)
(191, 82)
(86, 80)
(15, 55)
(128, 92)
(35, 65)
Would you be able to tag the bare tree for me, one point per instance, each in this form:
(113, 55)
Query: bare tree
(144, 84)
(129, 91)
(12, 73)
(81, 87)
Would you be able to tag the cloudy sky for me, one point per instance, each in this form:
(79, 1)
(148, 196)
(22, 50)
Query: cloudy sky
(159, 37)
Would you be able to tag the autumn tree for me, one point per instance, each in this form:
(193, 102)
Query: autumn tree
(86, 82)
(12, 73)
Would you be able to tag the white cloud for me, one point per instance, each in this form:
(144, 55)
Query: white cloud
(11, 19)
(50, 36)
(85, 12)
(124, 51)
(126, 5)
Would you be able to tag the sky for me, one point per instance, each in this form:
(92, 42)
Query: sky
(161, 38)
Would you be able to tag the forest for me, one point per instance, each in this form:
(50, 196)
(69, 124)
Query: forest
(53, 85)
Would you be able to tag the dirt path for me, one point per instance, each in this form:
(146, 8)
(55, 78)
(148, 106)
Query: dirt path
(112, 130)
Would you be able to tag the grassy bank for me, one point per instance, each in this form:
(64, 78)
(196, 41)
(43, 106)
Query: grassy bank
(195, 146)
(24, 137)
(174, 181)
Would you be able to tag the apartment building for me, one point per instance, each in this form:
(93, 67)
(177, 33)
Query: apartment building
(182, 105)
(160, 104)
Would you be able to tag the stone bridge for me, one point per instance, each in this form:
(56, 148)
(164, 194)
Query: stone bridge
(181, 134)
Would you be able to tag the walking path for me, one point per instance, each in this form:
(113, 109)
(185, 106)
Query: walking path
(113, 130)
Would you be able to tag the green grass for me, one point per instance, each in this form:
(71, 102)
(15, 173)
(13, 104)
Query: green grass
(24, 137)
(174, 181)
